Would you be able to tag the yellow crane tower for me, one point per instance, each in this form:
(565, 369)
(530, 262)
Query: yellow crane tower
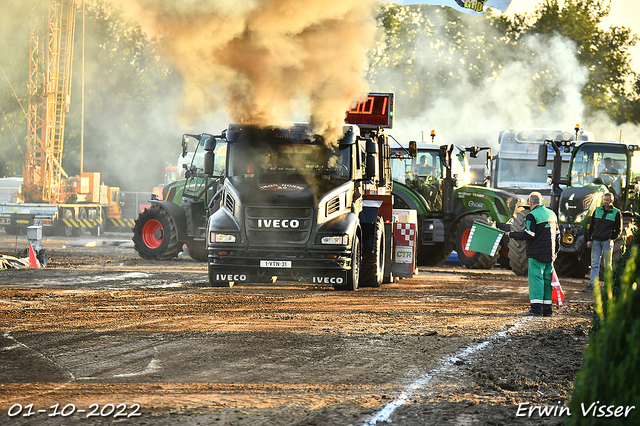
(51, 57)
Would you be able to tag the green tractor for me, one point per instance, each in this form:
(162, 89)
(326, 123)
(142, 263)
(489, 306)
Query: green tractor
(587, 180)
(435, 181)
(179, 217)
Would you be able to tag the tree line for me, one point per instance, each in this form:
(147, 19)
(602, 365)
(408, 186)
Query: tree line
(420, 52)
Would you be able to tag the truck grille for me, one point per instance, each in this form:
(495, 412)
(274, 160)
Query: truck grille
(278, 225)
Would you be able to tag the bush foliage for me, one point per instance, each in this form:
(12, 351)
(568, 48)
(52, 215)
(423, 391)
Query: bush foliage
(610, 374)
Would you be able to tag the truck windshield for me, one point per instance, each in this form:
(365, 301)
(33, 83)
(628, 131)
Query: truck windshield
(283, 158)
(600, 164)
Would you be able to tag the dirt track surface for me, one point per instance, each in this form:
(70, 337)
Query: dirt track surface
(100, 326)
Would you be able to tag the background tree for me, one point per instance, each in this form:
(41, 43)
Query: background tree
(131, 95)
(605, 53)
(549, 68)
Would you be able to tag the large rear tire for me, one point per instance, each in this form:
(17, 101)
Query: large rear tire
(154, 235)
(473, 259)
(518, 248)
(373, 263)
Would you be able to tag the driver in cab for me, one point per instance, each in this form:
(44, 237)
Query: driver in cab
(610, 175)
(423, 168)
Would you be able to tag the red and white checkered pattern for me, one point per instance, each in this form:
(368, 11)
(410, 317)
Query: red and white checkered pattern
(404, 234)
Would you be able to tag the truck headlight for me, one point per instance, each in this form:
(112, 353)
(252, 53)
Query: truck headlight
(342, 240)
(221, 238)
(582, 216)
(562, 217)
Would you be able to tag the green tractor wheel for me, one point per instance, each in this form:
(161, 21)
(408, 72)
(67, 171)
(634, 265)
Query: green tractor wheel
(472, 259)
(154, 235)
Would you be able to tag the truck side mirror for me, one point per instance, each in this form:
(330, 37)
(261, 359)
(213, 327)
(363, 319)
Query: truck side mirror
(542, 155)
(413, 149)
(372, 159)
(209, 158)
(185, 145)
(209, 143)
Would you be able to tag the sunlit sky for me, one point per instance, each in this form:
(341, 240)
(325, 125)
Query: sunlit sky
(623, 13)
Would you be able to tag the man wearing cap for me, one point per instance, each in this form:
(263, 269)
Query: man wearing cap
(543, 242)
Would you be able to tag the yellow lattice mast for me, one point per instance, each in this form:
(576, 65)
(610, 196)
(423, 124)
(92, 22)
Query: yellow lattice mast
(52, 40)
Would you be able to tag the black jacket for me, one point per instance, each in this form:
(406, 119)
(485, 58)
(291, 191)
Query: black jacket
(605, 224)
(541, 234)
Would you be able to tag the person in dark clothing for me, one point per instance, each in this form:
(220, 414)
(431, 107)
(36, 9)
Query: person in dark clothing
(543, 241)
(605, 225)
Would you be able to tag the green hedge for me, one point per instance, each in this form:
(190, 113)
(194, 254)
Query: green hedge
(610, 375)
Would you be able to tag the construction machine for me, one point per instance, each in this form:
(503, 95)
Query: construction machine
(49, 197)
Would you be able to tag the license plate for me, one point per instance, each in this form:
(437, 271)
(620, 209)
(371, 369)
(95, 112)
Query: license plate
(22, 221)
(275, 264)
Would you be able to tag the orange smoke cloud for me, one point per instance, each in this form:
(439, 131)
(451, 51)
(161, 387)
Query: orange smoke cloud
(260, 58)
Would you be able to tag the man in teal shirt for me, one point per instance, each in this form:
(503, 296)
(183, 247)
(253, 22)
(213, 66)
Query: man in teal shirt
(543, 241)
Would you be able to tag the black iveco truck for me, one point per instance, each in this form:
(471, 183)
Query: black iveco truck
(296, 207)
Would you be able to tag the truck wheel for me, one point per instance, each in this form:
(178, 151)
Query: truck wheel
(198, 250)
(433, 255)
(63, 229)
(154, 235)
(569, 265)
(98, 230)
(12, 230)
(213, 282)
(518, 249)
(373, 263)
(81, 231)
(353, 279)
(472, 259)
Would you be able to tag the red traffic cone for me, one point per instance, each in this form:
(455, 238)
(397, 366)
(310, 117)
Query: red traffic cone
(33, 262)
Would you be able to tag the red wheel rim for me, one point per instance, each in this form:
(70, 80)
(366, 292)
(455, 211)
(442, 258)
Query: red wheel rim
(465, 238)
(149, 231)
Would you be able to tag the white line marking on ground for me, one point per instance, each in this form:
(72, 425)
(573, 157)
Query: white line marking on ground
(446, 365)
(152, 367)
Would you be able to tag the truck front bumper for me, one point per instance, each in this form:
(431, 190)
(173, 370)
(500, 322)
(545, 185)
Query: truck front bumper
(321, 267)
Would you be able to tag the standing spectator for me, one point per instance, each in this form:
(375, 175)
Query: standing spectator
(543, 242)
(605, 226)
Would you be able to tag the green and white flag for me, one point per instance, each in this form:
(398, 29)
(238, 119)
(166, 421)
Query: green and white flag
(473, 7)
(484, 238)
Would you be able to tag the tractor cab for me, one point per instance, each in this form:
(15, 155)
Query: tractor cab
(424, 171)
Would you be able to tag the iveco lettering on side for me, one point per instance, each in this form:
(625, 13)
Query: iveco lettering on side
(300, 208)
